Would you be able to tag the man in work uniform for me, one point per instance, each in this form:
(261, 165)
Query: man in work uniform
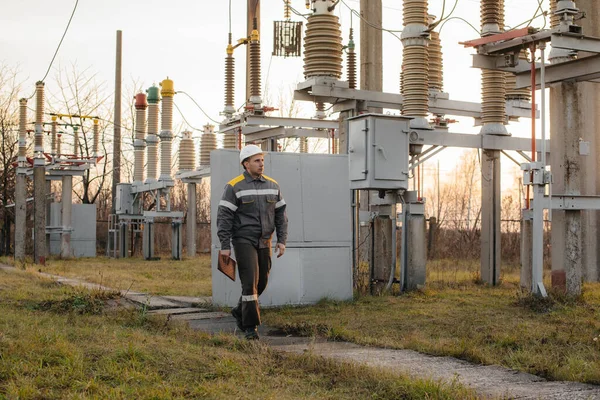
(250, 210)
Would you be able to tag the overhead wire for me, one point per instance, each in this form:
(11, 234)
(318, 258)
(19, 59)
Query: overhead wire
(59, 44)
(391, 32)
(198, 105)
(186, 121)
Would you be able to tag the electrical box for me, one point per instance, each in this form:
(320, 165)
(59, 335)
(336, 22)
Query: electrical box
(123, 199)
(378, 152)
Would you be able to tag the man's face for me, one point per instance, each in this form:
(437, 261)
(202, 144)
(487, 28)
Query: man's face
(255, 165)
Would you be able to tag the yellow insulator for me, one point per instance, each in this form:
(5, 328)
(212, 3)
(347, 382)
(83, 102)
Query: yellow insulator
(323, 46)
(415, 90)
(254, 36)
(167, 88)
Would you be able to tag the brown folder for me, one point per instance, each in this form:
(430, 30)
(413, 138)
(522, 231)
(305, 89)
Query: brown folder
(227, 266)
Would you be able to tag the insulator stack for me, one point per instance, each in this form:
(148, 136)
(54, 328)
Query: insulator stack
(208, 143)
(511, 82)
(230, 141)
(320, 110)
(53, 135)
(76, 141)
(22, 131)
(59, 144)
(323, 43)
(96, 138)
(229, 83)
(287, 11)
(152, 138)
(554, 18)
(351, 61)
(166, 132)
(139, 143)
(493, 88)
(416, 76)
(436, 63)
(254, 69)
(39, 119)
(187, 153)
(303, 145)
(335, 146)
(415, 63)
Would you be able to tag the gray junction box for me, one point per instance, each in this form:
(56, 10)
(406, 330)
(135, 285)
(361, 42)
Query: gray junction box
(378, 152)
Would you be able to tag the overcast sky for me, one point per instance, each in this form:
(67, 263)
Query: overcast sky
(186, 40)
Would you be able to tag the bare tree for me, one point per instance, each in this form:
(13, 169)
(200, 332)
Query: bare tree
(10, 87)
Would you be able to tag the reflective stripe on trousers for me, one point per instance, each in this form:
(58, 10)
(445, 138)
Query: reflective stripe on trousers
(254, 266)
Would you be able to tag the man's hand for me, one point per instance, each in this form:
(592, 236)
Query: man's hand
(280, 249)
(225, 254)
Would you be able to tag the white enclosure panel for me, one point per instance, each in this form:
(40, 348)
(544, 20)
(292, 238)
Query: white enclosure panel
(83, 235)
(326, 198)
(326, 274)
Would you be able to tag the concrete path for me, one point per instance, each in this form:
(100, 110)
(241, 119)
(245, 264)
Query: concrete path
(488, 381)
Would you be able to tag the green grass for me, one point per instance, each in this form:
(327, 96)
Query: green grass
(188, 277)
(60, 343)
(556, 338)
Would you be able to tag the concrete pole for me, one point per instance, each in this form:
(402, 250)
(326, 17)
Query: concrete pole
(116, 175)
(67, 205)
(575, 120)
(490, 217)
(39, 214)
(526, 249)
(191, 221)
(20, 217)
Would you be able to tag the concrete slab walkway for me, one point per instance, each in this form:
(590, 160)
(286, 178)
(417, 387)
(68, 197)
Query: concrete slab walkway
(488, 381)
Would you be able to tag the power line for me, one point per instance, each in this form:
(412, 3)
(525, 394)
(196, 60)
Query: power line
(198, 105)
(61, 39)
(353, 11)
(186, 121)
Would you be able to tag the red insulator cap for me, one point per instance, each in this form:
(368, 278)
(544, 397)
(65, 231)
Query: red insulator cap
(141, 101)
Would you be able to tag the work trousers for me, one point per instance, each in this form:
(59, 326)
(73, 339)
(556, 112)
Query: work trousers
(254, 266)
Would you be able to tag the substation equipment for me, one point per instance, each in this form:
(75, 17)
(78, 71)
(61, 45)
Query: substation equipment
(67, 229)
(383, 151)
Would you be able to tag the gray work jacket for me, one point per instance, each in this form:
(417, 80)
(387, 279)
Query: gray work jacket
(250, 211)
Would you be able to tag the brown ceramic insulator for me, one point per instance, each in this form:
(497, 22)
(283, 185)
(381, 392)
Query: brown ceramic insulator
(254, 69)
(58, 144)
(436, 74)
(351, 66)
(76, 143)
(22, 128)
(320, 106)
(229, 80)
(492, 12)
(323, 46)
(53, 131)
(415, 12)
(554, 18)
(187, 153)
(229, 141)
(415, 87)
(493, 96)
(287, 11)
(511, 82)
(208, 143)
(39, 116)
(96, 139)
(303, 145)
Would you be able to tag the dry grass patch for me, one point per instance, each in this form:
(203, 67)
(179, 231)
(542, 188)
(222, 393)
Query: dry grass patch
(558, 339)
(60, 352)
(188, 277)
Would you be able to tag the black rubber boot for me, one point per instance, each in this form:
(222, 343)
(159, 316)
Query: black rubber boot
(252, 333)
(237, 314)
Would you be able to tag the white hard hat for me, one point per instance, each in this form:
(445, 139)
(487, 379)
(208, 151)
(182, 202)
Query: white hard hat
(249, 151)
